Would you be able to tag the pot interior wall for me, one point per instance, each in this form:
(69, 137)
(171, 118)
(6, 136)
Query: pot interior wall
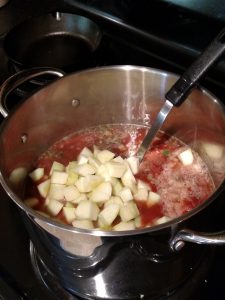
(104, 96)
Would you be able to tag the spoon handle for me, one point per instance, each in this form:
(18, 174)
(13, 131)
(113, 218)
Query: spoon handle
(182, 87)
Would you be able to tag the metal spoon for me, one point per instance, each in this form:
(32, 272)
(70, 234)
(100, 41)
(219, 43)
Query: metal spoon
(182, 88)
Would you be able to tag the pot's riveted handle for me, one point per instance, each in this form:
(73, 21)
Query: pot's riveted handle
(19, 78)
(186, 235)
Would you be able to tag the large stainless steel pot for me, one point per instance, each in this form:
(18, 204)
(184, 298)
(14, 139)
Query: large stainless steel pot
(120, 94)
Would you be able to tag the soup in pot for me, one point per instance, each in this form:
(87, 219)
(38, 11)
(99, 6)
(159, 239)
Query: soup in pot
(93, 180)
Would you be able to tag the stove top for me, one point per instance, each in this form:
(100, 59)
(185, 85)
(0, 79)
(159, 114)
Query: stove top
(127, 39)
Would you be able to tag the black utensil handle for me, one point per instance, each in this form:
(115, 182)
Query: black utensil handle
(183, 86)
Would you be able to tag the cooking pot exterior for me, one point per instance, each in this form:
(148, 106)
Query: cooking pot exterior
(120, 94)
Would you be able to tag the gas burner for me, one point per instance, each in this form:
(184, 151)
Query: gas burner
(48, 279)
(186, 290)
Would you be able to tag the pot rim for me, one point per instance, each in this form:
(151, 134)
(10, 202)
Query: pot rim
(109, 233)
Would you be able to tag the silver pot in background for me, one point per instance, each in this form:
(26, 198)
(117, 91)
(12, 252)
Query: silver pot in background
(104, 264)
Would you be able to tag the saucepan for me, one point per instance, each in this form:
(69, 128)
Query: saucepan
(83, 260)
(59, 40)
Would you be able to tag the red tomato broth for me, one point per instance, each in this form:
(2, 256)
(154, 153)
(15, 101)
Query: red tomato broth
(149, 214)
(181, 188)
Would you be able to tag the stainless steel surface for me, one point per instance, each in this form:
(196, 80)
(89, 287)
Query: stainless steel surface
(196, 237)
(136, 99)
(17, 79)
(155, 127)
(181, 89)
(134, 95)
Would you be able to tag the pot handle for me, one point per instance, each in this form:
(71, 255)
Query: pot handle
(19, 78)
(186, 235)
